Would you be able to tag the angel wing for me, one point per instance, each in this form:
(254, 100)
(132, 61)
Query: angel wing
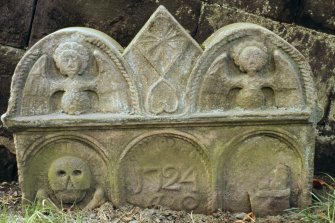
(111, 86)
(36, 93)
(286, 82)
(217, 85)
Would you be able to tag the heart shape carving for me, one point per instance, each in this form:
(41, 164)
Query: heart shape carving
(162, 98)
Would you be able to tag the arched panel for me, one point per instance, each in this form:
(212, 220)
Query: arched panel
(67, 170)
(167, 169)
(246, 66)
(260, 169)
(74, 71)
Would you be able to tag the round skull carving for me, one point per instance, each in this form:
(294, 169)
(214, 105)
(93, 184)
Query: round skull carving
(70, 178)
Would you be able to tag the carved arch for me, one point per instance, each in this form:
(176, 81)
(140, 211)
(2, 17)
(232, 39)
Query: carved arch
(283, 136)
(221, 42)
(253, 147)
(38, 157)
(38, 145)
(198, 152)
(44, 48)
(177, 134)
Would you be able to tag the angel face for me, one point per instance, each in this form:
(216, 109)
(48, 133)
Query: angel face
(252, 59)
(70, 63)
(71, 58)
(69, 178)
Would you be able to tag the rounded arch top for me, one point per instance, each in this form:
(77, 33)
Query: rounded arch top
(248, 66)
(282, 136)
(73, 70)
(173, 133)
(39, 144)
(254, 161)
(172, 162)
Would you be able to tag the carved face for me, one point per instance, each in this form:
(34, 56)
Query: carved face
(69, 178)
(70, 63)
(252, 59)
(71, 58)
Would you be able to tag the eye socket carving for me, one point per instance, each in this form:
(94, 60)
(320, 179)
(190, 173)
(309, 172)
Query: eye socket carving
(61, 173)
(77, 172)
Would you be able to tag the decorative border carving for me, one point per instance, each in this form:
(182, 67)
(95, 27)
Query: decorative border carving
(305, 69)
(91, 36)
(223, 155)
(282, 136)
(19, 76)
(121, 67)
(36, 146)
(228, 35)
(196, 77)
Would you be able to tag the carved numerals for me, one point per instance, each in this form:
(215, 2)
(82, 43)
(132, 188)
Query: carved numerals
(172, 174)
(168, 178)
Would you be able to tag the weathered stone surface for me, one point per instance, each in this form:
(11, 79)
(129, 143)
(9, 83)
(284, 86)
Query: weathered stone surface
(166, 123)
(71, 177)
(163, 55)
(318, 48)
(75, 68)
(118, 18)
(9, 57)
(280, 10)
(314, 14)
(273, 191)
(181, 180)
(15, 19)
(318, 14)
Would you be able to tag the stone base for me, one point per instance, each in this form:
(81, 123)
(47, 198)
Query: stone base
(269, 202)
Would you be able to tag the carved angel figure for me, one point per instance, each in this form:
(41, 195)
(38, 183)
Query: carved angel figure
(77, 89)
(254, 86)
(71, 59)
(251, 59)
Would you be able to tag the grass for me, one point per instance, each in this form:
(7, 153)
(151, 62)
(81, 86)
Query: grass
(35, 213)
(322, 209)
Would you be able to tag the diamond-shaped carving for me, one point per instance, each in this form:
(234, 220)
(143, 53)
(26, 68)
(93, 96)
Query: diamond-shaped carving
(162, 55)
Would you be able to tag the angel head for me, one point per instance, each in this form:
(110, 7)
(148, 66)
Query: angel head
(250, 56)
(71, 58)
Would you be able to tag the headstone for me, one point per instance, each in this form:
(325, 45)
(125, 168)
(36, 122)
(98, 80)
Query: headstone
(165, 122)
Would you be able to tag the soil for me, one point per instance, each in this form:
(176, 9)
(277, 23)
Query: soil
(10, 197)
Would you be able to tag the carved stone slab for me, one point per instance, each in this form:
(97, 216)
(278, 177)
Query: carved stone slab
(248, 67)
(165, 122)
(59, 173)
(162, 55)
(70, 72)
(181, 180)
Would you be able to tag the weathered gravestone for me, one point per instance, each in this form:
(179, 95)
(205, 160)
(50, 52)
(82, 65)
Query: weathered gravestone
(165, 122)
